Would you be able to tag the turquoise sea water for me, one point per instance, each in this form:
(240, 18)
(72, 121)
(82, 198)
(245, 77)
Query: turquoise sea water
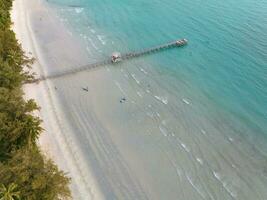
(225, 62)
(221, 74)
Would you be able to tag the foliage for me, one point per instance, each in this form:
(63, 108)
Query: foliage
(36, 178)
(17, 126)
(24, 172)
(9, 193)
(4, 15)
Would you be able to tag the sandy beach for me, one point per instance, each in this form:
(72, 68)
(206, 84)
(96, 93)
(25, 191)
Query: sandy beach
(54, 141)
(74, 137)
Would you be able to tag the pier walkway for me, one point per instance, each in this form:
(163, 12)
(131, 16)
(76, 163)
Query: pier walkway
(177, 43)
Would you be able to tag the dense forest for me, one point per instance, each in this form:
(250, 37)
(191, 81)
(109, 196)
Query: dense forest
(25, 173)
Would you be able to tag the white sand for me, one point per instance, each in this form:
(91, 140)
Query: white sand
(53, 140)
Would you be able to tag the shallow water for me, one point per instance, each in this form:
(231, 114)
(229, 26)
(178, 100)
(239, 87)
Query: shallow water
(194, 123)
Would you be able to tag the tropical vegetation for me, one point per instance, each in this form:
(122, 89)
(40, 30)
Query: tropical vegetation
(25, 173)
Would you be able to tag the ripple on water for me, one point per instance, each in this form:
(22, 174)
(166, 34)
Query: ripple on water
(163, 100)
(214, 71)
(136, 80)
(79, 10)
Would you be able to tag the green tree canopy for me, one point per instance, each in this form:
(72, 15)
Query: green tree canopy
(24, 172)
(9, 193)
(36, 178)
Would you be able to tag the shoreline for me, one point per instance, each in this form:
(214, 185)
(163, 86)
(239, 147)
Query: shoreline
(52, 140)
(83, 142)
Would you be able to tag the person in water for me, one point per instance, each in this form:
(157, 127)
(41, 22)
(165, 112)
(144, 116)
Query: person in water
(123, 99)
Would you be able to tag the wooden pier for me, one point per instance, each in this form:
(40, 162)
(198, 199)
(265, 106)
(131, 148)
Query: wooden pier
(177, 43)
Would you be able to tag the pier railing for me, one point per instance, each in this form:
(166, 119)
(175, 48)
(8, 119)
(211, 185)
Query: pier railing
(177, 43)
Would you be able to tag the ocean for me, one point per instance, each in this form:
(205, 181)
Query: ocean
(194, 122)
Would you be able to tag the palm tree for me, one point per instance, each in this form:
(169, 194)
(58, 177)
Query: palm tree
(9, 193)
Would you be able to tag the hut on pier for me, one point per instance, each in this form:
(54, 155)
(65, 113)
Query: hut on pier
(116, 57)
